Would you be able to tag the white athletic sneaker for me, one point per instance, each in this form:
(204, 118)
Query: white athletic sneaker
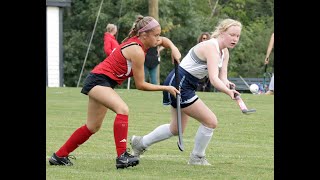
(196, 160)
(137, 147)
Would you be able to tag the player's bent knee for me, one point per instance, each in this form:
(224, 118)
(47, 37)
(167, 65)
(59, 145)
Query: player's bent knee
(212, 124)
(122, 110)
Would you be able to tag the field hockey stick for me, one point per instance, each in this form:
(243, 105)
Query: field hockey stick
(241, 104)
(264, 77)
(245, 82)
(180, 140)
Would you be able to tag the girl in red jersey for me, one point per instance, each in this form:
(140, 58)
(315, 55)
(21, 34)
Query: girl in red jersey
(109, 40)
(125, 61)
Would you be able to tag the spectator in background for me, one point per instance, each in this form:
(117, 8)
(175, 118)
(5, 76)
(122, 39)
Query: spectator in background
(266, 61)
(110, 42)
(204, 83)
(151, 64)
(203, 37)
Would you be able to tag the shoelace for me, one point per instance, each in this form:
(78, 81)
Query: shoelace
(204, 160)
(143, 150)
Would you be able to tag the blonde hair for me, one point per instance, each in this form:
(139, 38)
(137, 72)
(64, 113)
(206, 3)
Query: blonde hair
(139, 23)
(224, 26)
(110, 27)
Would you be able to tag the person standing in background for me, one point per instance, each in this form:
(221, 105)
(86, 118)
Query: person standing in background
(266, 61)
(203, 37)
(204, 84)
(151, 64)
(110, 42)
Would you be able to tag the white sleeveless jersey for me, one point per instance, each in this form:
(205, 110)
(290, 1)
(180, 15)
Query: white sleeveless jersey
(196, 66)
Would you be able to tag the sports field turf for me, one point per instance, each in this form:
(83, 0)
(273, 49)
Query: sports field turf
(242, 146)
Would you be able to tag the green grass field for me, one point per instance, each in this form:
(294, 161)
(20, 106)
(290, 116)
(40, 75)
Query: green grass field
(242, 146)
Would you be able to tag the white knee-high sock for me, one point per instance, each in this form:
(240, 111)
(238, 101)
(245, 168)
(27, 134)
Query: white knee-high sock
(160, 133)
(202, 140)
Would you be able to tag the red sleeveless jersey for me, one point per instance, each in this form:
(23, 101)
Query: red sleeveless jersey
(116, 66)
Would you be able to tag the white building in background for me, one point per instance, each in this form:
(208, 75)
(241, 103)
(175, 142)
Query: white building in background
(54, 68)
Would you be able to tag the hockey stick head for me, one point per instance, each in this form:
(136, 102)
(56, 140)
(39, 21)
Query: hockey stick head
(180, 146)
(248, 111)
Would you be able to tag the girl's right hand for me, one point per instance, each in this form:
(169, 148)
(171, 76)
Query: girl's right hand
(172, 90)
(233, 93)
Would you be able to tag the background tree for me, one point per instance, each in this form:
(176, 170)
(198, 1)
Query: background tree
(181, 21)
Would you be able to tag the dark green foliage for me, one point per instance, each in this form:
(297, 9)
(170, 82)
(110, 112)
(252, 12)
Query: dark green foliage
(181, 21)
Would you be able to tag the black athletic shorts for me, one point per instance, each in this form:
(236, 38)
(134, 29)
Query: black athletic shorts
(97, 79)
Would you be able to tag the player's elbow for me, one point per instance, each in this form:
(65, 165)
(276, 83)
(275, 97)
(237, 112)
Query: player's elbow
(140, 86)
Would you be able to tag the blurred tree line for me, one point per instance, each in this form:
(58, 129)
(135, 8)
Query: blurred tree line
(182, 21)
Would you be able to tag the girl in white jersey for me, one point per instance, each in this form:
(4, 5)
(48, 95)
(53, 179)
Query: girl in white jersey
(208, 58)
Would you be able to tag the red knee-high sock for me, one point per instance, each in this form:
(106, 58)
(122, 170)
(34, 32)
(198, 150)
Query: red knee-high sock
(78, 137)
(120, 132)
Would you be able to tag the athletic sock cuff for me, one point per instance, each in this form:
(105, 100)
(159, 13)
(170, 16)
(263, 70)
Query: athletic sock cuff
(86, 130)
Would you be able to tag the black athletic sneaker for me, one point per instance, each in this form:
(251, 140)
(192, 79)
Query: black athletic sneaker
(125, 160)
(64, 161)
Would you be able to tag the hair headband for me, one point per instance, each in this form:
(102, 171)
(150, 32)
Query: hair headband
(152, 24)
